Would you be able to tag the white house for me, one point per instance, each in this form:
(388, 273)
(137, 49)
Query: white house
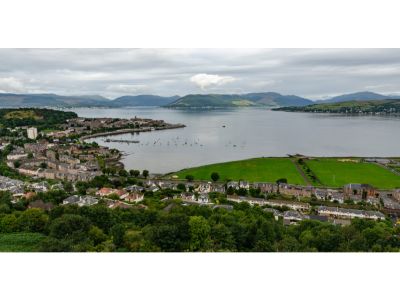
(32, 133)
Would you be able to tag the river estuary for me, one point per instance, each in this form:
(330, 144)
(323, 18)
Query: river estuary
(212, 136)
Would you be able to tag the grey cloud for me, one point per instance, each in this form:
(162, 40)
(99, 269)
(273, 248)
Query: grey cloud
(311, 73)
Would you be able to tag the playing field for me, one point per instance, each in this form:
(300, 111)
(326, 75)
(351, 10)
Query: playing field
(20, 242)
(256, 169)
(336, 173)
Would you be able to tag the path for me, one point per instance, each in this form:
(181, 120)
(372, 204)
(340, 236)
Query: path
(300, 170)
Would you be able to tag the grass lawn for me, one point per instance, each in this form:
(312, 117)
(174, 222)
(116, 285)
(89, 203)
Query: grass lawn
(256, 169)
(20, 242)
(335, 173)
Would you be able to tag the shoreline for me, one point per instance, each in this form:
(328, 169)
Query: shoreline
(131, 130)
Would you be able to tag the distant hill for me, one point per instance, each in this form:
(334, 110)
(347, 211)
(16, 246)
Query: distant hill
(359, 96)
(53, 100)
(241, 100)
(143, 100)
(41, 100)
(350, 107)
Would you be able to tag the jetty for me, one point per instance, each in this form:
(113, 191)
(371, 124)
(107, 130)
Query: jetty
(131, 130)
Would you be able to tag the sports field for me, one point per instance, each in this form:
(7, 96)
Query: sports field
(256, 169)
(338, 172)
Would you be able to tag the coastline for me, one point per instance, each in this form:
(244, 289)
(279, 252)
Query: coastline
(131, 130)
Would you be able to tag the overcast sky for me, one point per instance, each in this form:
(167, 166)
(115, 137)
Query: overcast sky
(313, 73)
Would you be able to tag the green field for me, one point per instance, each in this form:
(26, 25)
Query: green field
(335, 173)
(20, 242)
(256, 169)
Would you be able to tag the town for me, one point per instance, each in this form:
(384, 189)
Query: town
(49, 169)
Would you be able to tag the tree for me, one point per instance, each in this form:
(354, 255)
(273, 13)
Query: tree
(123, 173)
(118, 233)
(145, 173)
(281, 180)
(97, 235)
(199, 233)
(189, 178)
(17, 164)
(8, 223)
(33, 220)
(30, 155)
(181, 187)
(81, 187)
(214, 176)
(43, 165)
(70, 226)
(68, 187)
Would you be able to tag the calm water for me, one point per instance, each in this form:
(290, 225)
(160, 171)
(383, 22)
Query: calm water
(247, 133)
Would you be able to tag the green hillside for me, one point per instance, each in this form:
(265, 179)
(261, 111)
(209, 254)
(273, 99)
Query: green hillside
(33, 117)
(252, 99)
(372, 106)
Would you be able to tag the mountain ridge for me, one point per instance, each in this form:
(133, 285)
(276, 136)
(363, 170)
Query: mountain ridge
(263, 99)
(357, 96)
(270, 99)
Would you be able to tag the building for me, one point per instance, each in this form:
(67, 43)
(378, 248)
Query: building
(32, 133)
(396, 195)
(80, 200)
(294, 205)
(132, 197)
(291, 217)
(357, 190)
(345, 213)
(296, 191)
(203, 198)
(275, 212)
(188, 197)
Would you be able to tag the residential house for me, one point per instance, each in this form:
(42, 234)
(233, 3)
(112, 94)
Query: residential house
(294, 205)
(105, 191)
(203, 198)
(42, 186)
(396, 195)
(135, 188)
(81, 200)
(292, 217)
(244, 184)
(250, 200)
(218, 188)
(265, 187)
(232, 184)
(132, 197)
(204, 187)
(359, 191)
(188, 196)
(277, 214)
(345, 213)
(296, 191)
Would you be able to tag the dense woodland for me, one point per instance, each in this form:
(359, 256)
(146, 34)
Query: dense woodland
(39, 117)
(171, 226)
(349, 107)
